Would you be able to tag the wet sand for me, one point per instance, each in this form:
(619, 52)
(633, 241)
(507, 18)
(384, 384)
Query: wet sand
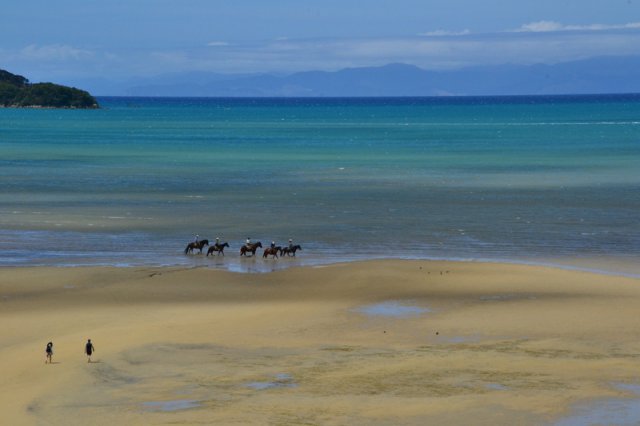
(383, 342)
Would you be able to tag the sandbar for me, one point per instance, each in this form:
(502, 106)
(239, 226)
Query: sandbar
(383, 342)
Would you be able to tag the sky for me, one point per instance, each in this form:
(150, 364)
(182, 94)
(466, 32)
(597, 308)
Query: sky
(67, 40)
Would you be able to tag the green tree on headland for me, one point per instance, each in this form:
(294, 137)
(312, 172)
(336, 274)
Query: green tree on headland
(13, 79)
(16, 91)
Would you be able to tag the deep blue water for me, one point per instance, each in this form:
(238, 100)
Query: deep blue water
(531, 179)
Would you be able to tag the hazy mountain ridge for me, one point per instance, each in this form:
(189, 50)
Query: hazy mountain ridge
(595, 75)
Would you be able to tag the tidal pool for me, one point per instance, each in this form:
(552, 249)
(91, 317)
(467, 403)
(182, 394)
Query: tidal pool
(175, 405)
(392, 309)
(609, 411)
(282, 380)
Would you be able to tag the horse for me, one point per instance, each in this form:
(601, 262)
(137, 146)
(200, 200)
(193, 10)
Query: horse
(217, 247)
(272, 251)
(290, 251)
(193, 246)
(250, 248)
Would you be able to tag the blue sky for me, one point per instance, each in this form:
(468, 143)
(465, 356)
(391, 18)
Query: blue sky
(74, 39)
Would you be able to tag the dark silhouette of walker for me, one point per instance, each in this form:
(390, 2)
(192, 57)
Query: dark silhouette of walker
(48, 352)
(89, 349)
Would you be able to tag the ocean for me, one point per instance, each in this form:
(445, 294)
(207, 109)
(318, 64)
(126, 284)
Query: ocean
(543, 180)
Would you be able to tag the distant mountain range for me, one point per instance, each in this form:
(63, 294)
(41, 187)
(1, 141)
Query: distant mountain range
(589, 76)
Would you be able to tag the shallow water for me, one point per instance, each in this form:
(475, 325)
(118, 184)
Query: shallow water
(522, 179)
(496, 387)
(282, 380)
(610, 411)
(392, 309)
(176, 405)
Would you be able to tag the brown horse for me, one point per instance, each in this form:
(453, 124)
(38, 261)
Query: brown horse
(250, 248)
(290, 251)
(273, 251)
(217, 247)
(196, 246)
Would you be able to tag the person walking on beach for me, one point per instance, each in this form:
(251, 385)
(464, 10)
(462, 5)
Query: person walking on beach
(49, 352)
(89, 349)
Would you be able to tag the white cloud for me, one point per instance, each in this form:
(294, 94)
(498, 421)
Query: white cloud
(552, 26)
(444, 33)
(53, 52)
(217, 44)
(540, 27)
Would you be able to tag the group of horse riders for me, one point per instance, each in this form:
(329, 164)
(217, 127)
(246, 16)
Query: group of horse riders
(248, 247)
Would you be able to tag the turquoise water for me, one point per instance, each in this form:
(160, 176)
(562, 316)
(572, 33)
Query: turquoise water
(524, 179)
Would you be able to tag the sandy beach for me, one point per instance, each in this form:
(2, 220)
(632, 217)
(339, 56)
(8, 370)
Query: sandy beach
(381, 342)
